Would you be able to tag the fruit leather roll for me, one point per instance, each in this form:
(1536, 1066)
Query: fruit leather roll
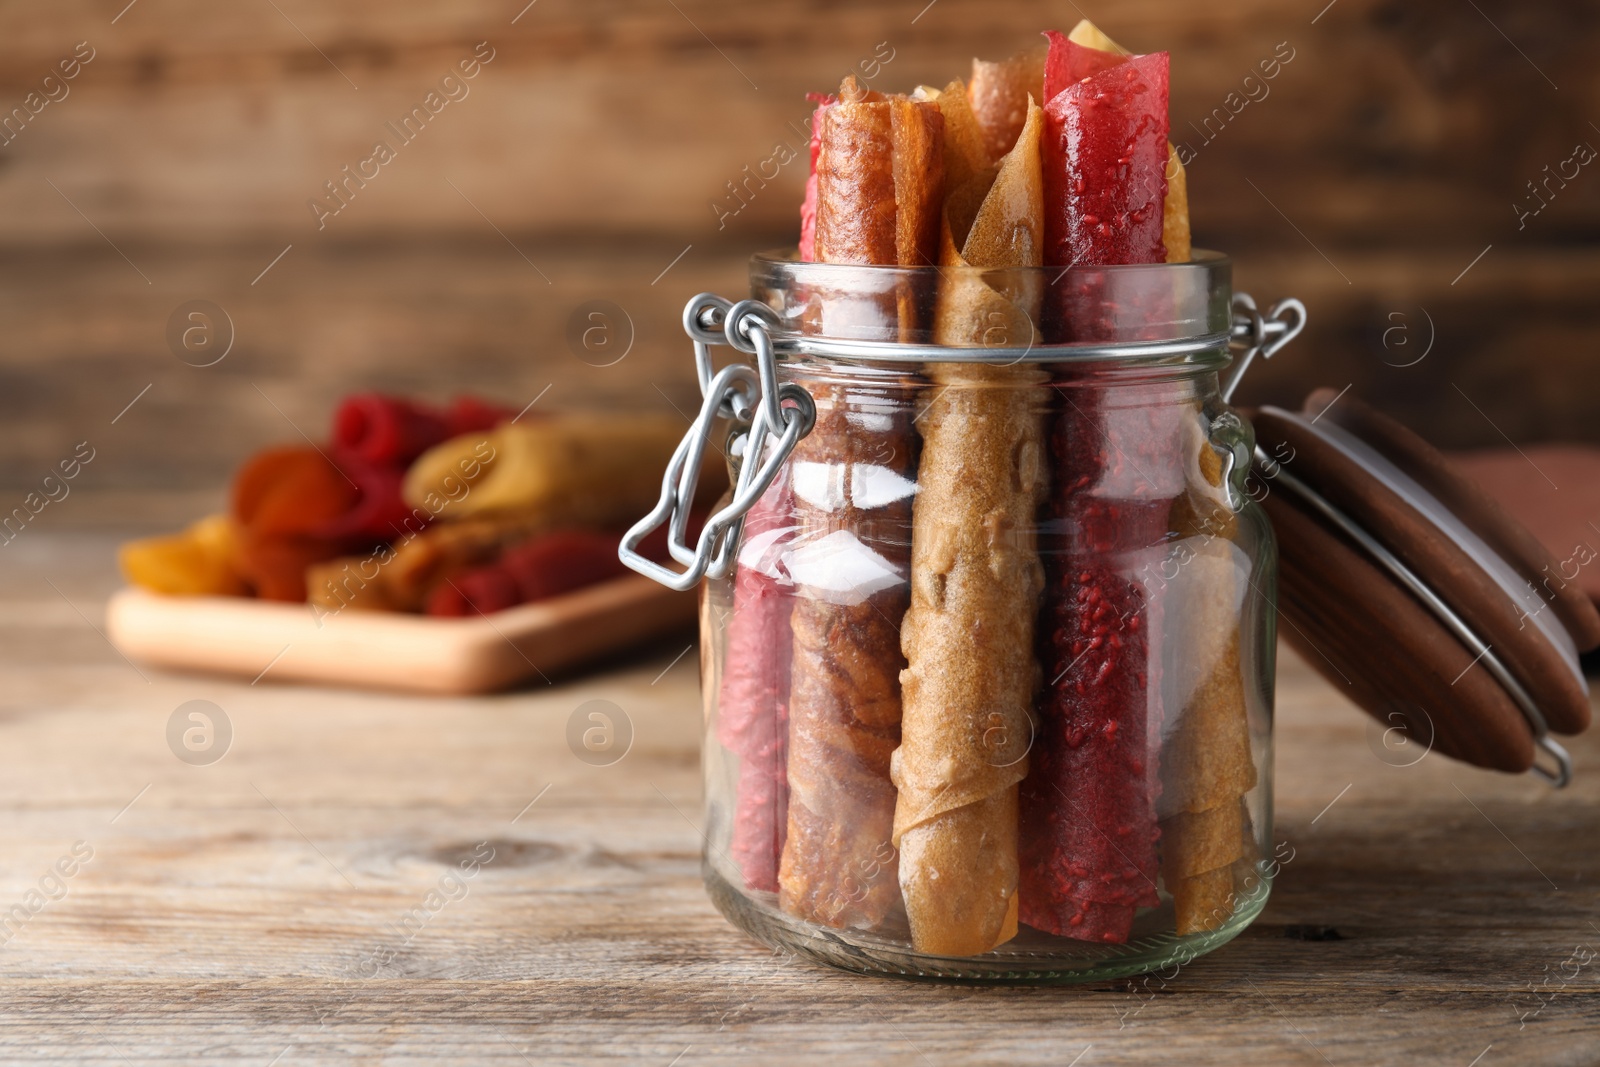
(968, 636)
(1105, 155)
(542, 567)
(405, 575)
(1001, 94)
(1089, 819)
(572, 469)
(753, 700)
(852, 487)
(879, 173)
(1208, 766)
(1089, 858)
(808, 206)
(1175, 206)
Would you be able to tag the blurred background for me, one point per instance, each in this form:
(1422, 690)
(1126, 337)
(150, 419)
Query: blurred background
(1416, 172)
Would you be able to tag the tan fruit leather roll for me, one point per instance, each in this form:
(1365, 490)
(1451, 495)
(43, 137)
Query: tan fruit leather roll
(976, 576)
(879, 177)
(1206, 765)
(1000, 94)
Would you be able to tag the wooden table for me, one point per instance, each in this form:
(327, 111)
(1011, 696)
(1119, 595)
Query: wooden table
(255, 910)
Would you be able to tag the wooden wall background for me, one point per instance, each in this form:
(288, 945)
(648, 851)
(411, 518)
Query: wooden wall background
(1388, 155)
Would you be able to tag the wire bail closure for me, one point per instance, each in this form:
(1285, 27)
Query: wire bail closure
(1260, 335)
(772, 415)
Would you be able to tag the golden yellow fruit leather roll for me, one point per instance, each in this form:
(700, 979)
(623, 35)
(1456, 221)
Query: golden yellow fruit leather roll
(577, 469)
(976, 577)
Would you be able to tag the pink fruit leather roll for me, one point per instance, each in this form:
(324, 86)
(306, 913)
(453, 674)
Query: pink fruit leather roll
(753, 702)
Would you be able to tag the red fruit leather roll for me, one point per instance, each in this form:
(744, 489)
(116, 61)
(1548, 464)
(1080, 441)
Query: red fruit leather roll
(1105, 157)
(1067, 63)
(1089, 832)
(386, 429)
(753, 701)
(541, 567)
(1088, 850)
(482, 590)
(378, 511)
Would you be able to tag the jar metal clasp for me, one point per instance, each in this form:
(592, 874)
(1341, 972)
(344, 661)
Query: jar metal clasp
(774, 415)
(1260, 335)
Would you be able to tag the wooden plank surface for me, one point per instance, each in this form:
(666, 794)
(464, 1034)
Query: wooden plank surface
(229, 912)
(1387, 156)
(1423, 119)
(434, 319)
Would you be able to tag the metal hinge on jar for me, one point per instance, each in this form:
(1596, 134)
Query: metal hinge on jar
(775, 416)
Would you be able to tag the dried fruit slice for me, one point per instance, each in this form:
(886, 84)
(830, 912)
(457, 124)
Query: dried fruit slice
(290, 491)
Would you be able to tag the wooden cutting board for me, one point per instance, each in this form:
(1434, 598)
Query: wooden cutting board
(262, 640)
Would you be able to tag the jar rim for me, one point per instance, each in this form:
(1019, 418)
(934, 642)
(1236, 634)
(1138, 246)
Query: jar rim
(1144, 313)
(788, 258)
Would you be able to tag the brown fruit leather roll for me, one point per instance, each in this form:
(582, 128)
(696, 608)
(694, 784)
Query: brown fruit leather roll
(976, 577)
(879, 178)
(848, 564)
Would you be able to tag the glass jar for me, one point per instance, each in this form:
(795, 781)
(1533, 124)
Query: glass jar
(987, 627)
